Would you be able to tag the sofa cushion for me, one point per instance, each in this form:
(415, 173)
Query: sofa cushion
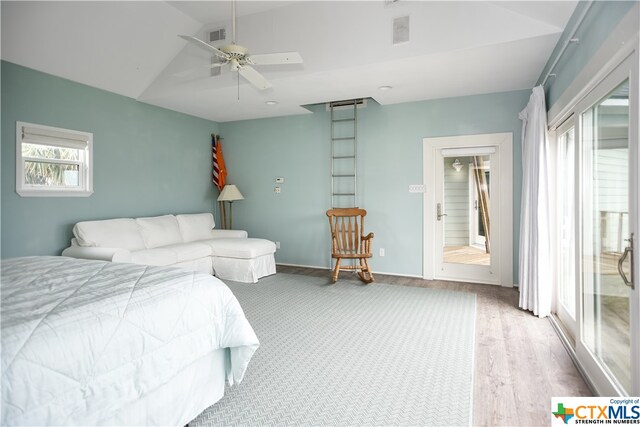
(195, 226)
(240, 248)
(110, 233)
(189, 251)
(159, 231)
(158, 256)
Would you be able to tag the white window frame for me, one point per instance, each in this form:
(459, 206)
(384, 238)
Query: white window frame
(57, 137)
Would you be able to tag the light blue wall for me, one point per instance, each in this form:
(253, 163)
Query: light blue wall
(390, 158)
(147, 160)
(598, 24)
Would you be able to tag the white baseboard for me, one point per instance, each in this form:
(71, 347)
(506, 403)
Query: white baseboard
(398, 274)
(301, 265)
(327, 268)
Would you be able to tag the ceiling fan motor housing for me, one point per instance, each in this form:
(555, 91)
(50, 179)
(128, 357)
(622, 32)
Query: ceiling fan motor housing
(235, 51)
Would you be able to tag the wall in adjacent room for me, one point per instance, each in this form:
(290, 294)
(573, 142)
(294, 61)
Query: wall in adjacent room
(600, 21)
(390, 140)
(147, 160)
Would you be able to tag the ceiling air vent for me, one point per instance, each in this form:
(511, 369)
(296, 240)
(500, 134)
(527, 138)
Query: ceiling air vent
(401, 30)
(343, 105)
(217, 35)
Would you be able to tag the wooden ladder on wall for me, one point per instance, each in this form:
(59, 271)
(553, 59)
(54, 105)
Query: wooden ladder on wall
(344, 153)
(483, 196)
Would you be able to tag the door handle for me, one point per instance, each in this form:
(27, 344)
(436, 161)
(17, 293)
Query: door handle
(439, 213)
(628, 250)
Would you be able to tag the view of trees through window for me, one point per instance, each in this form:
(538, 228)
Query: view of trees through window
(39, 171)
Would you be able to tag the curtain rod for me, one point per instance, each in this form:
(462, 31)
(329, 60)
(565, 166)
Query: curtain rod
(567, 42)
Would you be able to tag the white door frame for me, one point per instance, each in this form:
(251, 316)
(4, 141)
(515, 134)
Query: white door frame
(504, 145)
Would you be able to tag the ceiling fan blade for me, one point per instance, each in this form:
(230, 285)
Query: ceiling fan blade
(254, 77)
(276, 58)
(206, 46)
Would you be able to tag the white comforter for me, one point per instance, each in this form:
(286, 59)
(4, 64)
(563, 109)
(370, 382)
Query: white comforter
(81, 338)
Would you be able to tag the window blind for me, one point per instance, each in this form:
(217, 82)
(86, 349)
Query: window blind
(59, 138)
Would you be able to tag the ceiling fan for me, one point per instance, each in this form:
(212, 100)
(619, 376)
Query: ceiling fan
(240, 60)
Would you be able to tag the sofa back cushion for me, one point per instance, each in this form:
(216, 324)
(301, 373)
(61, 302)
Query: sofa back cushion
(159, 231)
(195, 227)
(111, 233)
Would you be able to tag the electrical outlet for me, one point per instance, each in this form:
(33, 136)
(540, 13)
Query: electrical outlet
(416, 188)
(381, 251)
(277, 190)
(277, 245)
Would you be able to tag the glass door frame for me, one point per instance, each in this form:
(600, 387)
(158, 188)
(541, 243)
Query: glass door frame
(604, 384)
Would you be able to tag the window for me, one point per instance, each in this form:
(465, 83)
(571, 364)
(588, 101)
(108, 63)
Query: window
(53, 162)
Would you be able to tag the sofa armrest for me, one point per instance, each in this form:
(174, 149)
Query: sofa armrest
(229, 234)
(102, 254)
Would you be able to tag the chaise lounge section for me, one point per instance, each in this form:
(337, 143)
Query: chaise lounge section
(184, 241)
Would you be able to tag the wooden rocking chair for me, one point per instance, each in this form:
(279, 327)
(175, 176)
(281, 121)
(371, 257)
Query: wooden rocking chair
(349, 242)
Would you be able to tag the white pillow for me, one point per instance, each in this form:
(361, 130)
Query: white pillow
(111, 233)
(195, 227)
(159, 231)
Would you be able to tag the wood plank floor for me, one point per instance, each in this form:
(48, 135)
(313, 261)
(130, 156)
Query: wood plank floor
(520, 361)
(466, 255)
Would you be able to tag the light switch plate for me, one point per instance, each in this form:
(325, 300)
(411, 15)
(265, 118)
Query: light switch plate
(416, 188)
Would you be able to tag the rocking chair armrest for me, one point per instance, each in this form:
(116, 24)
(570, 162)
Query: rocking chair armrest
(368, 236)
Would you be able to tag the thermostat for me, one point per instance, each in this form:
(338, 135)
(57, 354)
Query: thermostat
(279, 180)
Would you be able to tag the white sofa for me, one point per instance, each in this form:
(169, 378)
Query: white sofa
(185, 241)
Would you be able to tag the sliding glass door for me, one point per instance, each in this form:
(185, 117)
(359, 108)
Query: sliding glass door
(605, 234)
(596, 218)
(567, 228)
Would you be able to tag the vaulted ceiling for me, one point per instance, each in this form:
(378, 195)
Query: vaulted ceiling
(456, 48)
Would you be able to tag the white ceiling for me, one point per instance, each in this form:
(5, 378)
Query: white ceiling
(131, 48)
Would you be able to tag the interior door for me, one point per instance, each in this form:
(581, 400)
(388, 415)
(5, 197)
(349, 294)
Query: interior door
(465, 211)
(450, 250)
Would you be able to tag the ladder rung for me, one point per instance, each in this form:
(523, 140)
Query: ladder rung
(343, 194)
(343, 175)
(343, 139)
(343, 120)
(344, 157)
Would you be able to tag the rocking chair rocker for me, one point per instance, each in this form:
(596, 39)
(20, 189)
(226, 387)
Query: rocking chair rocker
(349, 242)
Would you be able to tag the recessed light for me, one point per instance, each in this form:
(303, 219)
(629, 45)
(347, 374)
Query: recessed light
(271, 102)
(385, 88)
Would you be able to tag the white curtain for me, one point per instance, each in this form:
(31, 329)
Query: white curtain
(535, 242)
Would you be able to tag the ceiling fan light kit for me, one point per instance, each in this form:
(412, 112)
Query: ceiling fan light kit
(239, 59)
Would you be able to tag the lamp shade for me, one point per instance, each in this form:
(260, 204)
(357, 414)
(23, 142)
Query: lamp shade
(230, 193)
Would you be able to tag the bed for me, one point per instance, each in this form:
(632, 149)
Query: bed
(100, 343)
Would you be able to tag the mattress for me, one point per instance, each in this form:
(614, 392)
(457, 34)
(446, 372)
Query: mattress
(83, 339)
